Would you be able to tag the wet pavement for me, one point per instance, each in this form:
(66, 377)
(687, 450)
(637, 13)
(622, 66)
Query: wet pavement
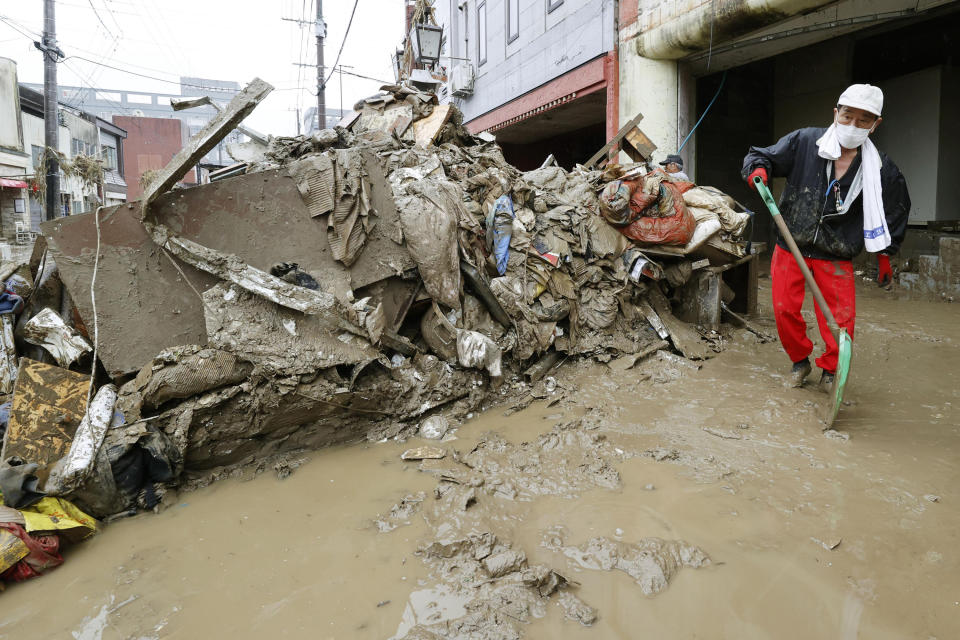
(853, 534)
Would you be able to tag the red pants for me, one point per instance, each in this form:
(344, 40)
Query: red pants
(835, 279)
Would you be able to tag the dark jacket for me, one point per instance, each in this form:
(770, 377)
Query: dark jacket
(810, 213)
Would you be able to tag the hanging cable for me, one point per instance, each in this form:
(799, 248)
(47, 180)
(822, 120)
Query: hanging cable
(342, 44)
(705, 112)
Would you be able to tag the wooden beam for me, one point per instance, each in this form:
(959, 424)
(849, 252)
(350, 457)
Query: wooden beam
(624, 130)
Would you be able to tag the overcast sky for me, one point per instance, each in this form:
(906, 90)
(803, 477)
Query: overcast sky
(218, 39)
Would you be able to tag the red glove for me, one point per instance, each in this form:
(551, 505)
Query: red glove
(759, 171)
(884, 272)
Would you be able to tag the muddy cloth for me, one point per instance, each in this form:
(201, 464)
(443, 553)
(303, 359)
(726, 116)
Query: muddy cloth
(835, 279)
(44, 554)
(140, 457)
(811, 213)
(10, 303)
(18, 484)
(292, 273)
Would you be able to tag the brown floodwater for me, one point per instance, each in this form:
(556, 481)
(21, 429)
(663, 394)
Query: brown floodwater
(843, 536)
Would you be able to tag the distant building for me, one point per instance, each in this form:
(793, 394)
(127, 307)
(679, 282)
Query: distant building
(541, 75)
(151, 143)
(22, 140)
(14, 160)
(310, 119)
(107, 103)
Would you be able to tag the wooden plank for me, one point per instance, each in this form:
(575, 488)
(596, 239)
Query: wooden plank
(639, 147)
(606, 148)
(426, 130)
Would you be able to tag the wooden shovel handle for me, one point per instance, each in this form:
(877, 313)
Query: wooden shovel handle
(792, 245)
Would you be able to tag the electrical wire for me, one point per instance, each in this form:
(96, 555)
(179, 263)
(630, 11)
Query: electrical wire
(93, 303)
(705, 111)
(97, 13)
(342, 44)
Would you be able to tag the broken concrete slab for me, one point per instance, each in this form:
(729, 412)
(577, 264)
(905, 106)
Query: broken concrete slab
(48, 404)
(276, 338)
(144, 301)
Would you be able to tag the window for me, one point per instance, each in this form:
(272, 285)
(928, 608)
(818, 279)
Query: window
(36, 152)
(481, 32)
(109, 158)
(465, 13)
(513, 20)
(553, 4)
(77, 147)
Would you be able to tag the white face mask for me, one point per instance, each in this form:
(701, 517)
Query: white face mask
(851, 137)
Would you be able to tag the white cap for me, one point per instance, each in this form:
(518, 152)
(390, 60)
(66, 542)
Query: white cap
(863, 96)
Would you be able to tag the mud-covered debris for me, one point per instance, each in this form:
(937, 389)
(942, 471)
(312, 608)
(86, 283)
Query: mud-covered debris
(661, 453)
(930, 497)
(726, 434)
(504, 562)
(828, 543)
(400, 513)
(285, 466)
(651, 562)
(435, 427)
(576, 609)
(560, 462)
(423, 453)
(833, 434)
(484, 590)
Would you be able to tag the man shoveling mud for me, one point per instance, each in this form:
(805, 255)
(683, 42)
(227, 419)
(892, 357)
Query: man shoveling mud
(842, 195)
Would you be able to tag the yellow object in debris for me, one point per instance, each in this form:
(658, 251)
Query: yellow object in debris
(56, 515)
(12, 550)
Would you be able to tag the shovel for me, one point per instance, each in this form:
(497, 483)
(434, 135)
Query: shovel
(844, 344)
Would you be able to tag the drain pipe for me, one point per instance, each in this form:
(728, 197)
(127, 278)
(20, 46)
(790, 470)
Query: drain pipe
(690, 31)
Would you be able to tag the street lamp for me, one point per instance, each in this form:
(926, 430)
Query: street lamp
(427, 40)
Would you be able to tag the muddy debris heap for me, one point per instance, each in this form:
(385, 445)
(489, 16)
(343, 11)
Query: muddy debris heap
(325, 288)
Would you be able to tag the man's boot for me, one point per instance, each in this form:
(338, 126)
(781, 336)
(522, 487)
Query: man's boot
(826, 382)
(799, 372)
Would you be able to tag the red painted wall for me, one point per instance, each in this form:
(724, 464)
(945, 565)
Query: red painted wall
(151, 143)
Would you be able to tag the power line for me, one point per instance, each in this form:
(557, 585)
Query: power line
(97, 13)
(344, 42)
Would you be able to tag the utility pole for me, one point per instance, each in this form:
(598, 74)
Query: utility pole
(321, 85)
(50, 117)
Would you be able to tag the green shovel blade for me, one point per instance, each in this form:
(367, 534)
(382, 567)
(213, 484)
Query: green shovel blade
(845, 353)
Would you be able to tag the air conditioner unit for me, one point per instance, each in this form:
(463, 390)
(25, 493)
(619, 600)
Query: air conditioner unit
(461, 80)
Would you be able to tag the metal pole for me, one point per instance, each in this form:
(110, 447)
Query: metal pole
(50, 119)
(321, 98)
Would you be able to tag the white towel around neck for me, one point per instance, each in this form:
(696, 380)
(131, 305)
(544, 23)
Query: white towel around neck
(876, 235)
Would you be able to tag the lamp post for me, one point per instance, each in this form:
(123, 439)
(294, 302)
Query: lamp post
(427, 40)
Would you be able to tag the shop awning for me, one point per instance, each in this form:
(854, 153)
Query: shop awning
(13, 184)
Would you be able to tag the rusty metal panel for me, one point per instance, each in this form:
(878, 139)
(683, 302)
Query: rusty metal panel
(143, 303)
(48, 405)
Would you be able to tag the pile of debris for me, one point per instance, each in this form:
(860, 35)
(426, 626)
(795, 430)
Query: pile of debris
(353, 281)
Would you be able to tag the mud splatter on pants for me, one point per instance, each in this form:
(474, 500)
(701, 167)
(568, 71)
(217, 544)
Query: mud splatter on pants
(835, 279)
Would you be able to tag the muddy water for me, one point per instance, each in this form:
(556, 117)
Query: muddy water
(853, 536)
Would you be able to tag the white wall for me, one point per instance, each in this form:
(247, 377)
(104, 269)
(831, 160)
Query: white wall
(910, 135)
(548, 46)
(10, 137)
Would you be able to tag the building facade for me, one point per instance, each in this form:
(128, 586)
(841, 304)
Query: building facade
(541, 75)
(150, 144)
(751, 72)
(310, 120)
(14, 158)
(108, 103)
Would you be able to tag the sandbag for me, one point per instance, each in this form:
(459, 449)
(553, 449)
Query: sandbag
(674, 224)
(615, 203)
(428, 216)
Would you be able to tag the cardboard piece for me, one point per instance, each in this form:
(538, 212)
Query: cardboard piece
(48, 404)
